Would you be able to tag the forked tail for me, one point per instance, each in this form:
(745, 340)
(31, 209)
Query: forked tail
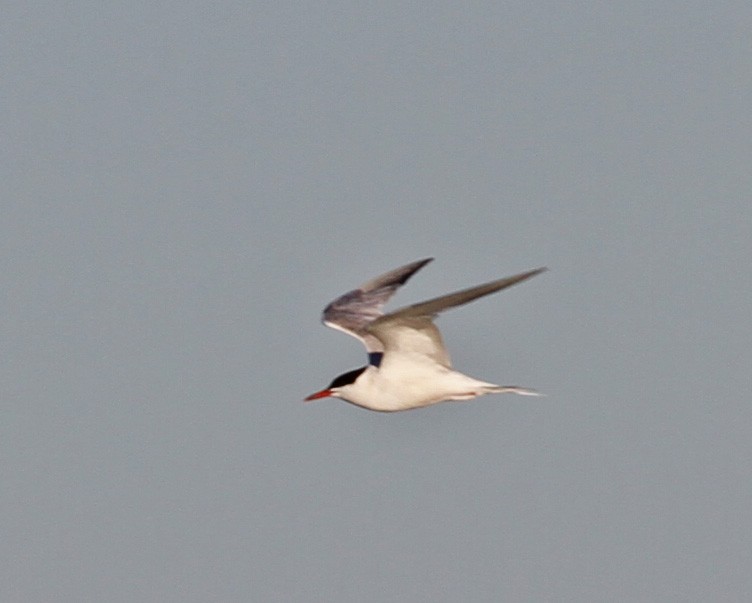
(512, 389)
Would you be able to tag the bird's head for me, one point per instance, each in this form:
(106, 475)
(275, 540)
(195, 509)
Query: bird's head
(338, 386)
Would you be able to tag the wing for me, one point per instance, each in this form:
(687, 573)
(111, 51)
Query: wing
(410, 335)
(355, 310)
(411, 329)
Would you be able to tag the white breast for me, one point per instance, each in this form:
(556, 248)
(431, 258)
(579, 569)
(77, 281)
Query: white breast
(403, 382)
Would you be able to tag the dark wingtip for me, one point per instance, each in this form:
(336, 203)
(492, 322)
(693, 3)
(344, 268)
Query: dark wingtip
(529, 274)
(415, 267)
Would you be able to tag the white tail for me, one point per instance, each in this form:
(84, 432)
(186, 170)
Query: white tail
(512, 389)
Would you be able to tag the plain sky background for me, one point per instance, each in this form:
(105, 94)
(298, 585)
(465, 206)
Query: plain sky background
(185, 185)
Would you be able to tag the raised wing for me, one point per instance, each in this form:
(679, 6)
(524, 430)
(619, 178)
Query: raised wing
(355, 310)
(411, 329)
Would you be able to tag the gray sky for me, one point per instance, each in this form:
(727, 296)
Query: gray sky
(186, 185)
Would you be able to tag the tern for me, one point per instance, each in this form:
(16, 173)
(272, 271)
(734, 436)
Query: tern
(408, 366)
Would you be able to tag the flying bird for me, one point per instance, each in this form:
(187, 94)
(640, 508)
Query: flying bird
(408, 365)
